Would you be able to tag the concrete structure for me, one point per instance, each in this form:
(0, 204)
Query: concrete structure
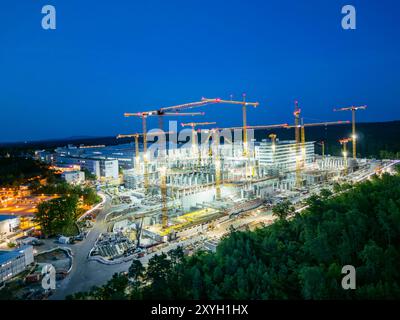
(14, 262)
(73, 177)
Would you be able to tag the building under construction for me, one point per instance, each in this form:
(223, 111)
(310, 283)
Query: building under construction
(217, 169)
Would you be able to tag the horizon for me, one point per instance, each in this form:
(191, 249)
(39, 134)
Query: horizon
(77, 138)
(101, 61)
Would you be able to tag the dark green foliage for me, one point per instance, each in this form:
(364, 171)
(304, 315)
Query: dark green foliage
(282, 210)
(15, 171)
(298, 259)
(58, 216)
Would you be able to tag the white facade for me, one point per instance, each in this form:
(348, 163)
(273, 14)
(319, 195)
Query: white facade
(93, 166)
(74, 177)
(8, 224)
(109, 169)
(282, 154)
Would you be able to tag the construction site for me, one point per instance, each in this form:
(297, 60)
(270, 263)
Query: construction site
(212, 177)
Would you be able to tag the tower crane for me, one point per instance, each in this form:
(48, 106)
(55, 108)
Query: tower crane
(353, 110)
(136, 137)
(300, 128)
(344, 142)
(215, 134)
(162, 111)
(195, 146)
(322, 144)
(217, 163)
(273, 136)
(244, 105)
(296, 114)
(144, 116)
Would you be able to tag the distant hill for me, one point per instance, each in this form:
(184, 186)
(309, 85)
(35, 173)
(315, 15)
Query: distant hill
(373, 137)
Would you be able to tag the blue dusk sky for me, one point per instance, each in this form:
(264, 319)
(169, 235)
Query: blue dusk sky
(110, 57)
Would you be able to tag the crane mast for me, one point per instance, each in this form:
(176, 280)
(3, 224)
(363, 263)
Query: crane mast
(353, 110)
(344, 142)
(244, 105)
(196, 147)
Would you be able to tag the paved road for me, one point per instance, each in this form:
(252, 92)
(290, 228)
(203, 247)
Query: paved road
(85, 273)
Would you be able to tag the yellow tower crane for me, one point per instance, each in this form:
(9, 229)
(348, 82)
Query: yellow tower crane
(196, 147)
(273, 136)
(258, 127)
(344, 142)
(296, 114)
(353, 110)
(322, 144)
(301, 159)
(244, 105)
(136, 137)
(144, 116)
(217, 163)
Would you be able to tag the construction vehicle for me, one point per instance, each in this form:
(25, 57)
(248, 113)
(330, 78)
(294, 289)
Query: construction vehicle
(353, 110)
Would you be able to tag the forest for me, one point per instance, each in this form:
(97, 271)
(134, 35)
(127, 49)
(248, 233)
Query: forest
(300, 258)
(375, 139)
(15, 171)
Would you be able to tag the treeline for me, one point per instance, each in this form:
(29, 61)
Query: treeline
(301, 258)
(15, 171)
(373, 138)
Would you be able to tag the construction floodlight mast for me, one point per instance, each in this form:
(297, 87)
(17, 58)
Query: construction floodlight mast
(353, 110)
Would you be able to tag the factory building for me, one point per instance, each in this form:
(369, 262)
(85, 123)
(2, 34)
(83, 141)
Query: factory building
(281, 155)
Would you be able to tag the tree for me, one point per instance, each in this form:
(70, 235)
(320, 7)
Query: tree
(325, 193)
(283, 210)
(300, 258)
(88, 175)
(57, 215)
